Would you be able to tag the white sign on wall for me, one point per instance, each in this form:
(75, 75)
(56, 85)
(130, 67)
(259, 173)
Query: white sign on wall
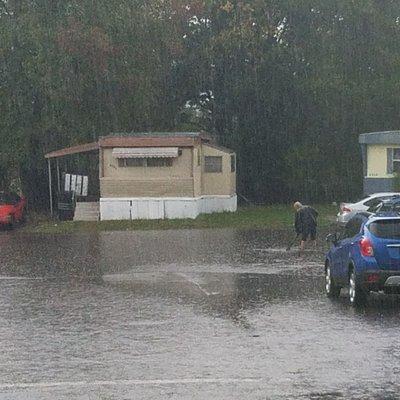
(77, 183)
(67, 184)
(73, 183)
(85, 186)
(78, 189)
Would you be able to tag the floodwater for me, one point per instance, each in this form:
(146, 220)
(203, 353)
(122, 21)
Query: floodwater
(210, 314)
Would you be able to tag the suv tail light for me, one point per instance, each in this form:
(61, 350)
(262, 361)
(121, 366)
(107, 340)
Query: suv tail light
(366, 247)
(345, 209)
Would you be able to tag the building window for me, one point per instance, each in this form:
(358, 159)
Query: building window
(159, 162)
(396, 161)
(233, 163)
(213, 164)
(131, 162)
(144, 162)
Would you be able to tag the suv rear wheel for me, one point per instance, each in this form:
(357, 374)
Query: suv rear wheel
(331, 289)
(357, 296)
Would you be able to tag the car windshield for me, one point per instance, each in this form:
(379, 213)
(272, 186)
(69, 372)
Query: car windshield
(385, 229)
(5, 198)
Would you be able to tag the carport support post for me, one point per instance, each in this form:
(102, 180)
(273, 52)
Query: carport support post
(50, 187)
(58, 176)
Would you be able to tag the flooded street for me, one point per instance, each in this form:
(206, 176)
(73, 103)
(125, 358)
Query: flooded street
(208, 314)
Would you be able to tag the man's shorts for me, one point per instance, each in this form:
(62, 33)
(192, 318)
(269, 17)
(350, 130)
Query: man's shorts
(309, 232)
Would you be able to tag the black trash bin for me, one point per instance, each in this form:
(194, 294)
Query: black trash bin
(66, 206)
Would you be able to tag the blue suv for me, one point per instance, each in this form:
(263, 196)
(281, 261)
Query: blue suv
(364, 257)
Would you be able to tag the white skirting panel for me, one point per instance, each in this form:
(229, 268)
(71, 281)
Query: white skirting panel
(164, 208)
(115, 210)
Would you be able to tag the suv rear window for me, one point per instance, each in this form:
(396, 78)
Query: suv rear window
(385, 229)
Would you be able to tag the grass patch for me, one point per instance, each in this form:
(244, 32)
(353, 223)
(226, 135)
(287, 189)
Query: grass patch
(276, 216)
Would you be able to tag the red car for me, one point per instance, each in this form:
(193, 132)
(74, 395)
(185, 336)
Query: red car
(12, 209)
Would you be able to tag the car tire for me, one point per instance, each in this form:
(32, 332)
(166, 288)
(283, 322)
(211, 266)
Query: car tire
(331, 289)
(357, 295)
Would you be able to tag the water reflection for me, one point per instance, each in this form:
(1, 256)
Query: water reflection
(379, 309)
(224, 295)
(170, 306)
(74, 257)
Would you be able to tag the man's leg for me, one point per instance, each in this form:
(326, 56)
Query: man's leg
(303, 241)
(313, 237)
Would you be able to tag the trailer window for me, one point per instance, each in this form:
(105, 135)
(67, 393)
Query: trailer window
(233, 163)
(213, 164)
(396, 160)
(131, 162)
(159, 162)
(144, 162)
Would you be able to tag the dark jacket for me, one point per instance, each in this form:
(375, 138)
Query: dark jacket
(305, 219)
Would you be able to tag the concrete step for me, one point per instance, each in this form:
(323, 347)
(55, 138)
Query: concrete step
(88, 206)
(87, 209)
(90, 213)
(91, 208)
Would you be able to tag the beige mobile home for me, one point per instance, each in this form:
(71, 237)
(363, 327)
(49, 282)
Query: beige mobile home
(159, 175)
(381, 160)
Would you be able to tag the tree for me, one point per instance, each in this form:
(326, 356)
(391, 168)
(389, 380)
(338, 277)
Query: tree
(288, 85)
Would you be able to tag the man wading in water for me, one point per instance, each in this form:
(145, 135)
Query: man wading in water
(305, 224)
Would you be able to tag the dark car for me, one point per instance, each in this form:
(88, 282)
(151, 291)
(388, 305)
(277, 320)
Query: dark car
(365, 257)
(12, 209)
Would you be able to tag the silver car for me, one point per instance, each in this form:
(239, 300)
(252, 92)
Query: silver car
(348, 210)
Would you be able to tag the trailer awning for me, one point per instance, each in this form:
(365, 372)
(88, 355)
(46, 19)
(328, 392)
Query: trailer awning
(83, 148)
(145, 152)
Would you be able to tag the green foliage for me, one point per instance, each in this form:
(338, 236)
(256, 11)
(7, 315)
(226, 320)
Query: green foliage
(287, 84)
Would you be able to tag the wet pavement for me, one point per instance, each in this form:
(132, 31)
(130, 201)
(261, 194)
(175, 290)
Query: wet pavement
(209, 314)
